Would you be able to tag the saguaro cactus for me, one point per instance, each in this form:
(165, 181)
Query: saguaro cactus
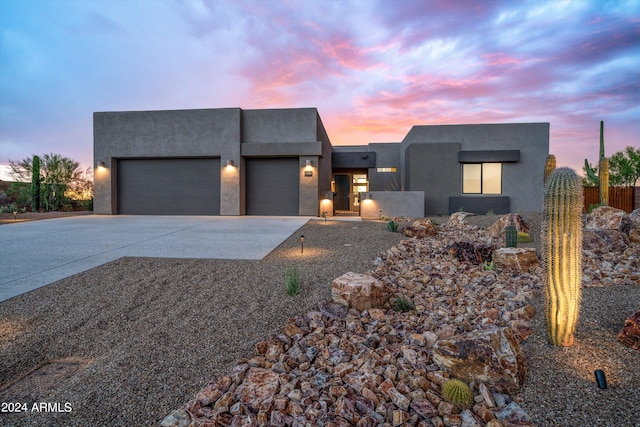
(549, 166)
(603, 181)
(562, 254)
(35, 184)
(591, 174)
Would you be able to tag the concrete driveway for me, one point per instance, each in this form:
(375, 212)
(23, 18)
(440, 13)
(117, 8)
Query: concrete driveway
(37, 253)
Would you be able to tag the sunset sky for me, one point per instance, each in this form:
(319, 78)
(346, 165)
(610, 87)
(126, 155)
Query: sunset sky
(372, 68)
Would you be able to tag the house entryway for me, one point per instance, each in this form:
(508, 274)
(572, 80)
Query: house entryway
(347, 189)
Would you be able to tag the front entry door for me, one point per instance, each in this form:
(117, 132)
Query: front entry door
(348, 187)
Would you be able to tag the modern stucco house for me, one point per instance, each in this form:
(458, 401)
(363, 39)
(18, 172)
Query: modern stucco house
(232, 161)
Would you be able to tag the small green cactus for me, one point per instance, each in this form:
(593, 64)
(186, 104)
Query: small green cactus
(488, 266)
(549, 166)
(511, 233)
(392, 226)
(562, 254)
(458, 393)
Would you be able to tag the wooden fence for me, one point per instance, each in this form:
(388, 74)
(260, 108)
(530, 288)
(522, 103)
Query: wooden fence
(619, 197)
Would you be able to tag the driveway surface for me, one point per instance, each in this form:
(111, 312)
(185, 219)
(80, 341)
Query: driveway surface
(37, 253)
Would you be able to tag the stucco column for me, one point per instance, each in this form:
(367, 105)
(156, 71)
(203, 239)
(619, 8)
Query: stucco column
(309, 197)
(103, 184)
(230, 191)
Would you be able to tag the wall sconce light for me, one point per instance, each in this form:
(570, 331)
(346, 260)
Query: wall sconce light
(366, 196)
(229, 164)
(101, 165)
(308, 169)
(327, 195)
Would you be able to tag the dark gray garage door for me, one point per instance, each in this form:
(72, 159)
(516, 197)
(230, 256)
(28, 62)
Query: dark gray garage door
(272, 186)
(169, 186)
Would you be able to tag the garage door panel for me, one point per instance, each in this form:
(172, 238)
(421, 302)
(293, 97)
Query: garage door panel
(272, 186)
(169, 186)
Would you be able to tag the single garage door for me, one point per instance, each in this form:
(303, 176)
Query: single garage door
(169, 186)
(272, 186)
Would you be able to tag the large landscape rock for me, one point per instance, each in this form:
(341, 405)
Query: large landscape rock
(420, 229)
(634, 217)
(522, 260)
(493, 357)
(259, 386)
(608, 218)
(496, 230)
(457, 219)
(358, 291)
(604, 241)
(630, 333)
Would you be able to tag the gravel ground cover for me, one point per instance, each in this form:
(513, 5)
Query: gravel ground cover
(143, 335)
(154, 331)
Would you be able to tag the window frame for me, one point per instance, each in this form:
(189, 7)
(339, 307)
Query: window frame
(481, 178)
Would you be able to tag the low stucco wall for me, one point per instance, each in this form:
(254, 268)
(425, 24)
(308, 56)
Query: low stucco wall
(393, 203)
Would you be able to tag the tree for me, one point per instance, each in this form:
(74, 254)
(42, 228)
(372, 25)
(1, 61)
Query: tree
(57, 173)
(625, 167)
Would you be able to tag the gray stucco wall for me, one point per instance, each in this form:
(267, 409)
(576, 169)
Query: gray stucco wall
(180, 133)
(280, 125)
(434, 169)
(393, 203)
(228, 133)
(522, 182)
(387, 156)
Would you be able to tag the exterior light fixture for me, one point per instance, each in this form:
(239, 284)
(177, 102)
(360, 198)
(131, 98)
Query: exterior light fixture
(327, 195)
(302, 243)
(229, 163)
(601, 379)
(308, 169)
(366, 196)
(101, 165)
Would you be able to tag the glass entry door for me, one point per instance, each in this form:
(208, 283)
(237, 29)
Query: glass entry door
(347, 188)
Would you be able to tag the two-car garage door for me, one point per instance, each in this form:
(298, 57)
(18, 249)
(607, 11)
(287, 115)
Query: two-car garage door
(169, 186)
(191, 186)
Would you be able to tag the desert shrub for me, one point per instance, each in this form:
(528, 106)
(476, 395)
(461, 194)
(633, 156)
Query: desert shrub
(292, 281)
(402, 305)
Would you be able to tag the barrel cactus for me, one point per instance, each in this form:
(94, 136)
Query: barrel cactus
(458, 393)
(562, 254)
(549, 166)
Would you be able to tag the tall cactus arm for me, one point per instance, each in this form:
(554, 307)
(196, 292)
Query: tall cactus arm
(591, 174)
(602, 139)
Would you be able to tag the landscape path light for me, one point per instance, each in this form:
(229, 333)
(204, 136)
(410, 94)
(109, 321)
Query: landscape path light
(302, 243)
(601, 379)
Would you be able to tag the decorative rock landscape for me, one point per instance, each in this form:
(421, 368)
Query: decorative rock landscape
(431, 310)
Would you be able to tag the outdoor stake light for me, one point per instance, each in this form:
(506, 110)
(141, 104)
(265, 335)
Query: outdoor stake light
(302, 243)
(601, 379)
